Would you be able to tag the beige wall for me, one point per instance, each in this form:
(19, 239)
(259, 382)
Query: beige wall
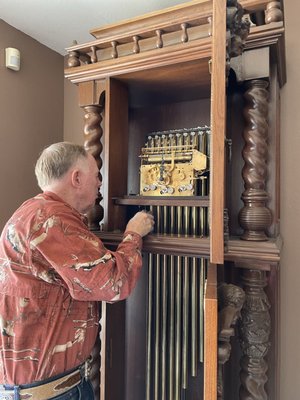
(31, 114)
(73, 115)
(290, 210)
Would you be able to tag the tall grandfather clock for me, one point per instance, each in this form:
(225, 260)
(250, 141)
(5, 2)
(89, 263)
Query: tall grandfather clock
(182, 116)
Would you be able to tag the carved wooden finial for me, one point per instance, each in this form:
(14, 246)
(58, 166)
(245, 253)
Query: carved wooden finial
(73, 58)
(273, 12)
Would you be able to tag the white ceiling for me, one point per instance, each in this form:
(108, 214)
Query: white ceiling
(56, 23)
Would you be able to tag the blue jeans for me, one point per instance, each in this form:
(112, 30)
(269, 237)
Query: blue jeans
(83, 391)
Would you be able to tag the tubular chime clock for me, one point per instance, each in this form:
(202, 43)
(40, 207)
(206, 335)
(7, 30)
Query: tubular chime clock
(177, 107)
(175, 163)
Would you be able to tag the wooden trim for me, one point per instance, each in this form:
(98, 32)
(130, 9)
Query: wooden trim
(190, 201)
(197, 10)
(194, 50)
(254, 5)
(218, 116)
(210, 334)
(115, 153)
(102, 335)
(270, 35)
(261, 254)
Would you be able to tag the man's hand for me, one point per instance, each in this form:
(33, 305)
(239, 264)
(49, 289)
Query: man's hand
(142, 223)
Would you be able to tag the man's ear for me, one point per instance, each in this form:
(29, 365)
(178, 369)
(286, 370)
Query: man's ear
(76, 178)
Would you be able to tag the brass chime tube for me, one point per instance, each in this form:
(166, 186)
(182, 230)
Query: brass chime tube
(171, 327)
(194, 318)
(165, 220)
(178, 318)
(194, 221)
(185, 323)
(164, 315)
(178, 330)
(157, 328)
(202, 223)
(158, 218)
(194, 302)
(171, 311)
(179, 220)
(164, 329)
(185, 307)
(149, 327)
(172, 220)
(201, 308)
(186, 220)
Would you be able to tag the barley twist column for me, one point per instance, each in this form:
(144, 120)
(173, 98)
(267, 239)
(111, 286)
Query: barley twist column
(92, 143)
(255, 217)
(255, 328)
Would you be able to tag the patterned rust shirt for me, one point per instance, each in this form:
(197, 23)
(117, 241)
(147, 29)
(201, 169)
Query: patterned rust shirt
(53, 271)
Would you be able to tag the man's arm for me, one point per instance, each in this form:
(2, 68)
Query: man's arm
(86, 267)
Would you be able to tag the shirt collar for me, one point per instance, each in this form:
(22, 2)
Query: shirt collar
(47, 195)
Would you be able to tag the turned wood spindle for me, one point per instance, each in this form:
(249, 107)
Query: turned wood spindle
(136, 46)
(184, 35)
(159, 41)
(94, 58)
(114, 52)
(255, 217)
(92, 143)
(273, 12)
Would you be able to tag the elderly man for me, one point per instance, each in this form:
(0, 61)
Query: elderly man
(53, 271)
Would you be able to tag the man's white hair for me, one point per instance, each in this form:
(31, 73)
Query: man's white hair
(56, 160)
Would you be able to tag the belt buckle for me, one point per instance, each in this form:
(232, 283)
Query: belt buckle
(85, 369)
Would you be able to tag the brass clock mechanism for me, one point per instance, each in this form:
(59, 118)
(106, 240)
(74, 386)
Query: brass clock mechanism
(173, 161)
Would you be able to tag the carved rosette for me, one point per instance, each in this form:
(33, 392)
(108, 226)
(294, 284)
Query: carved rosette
(255, 217)
(255, 328)
(92, 143)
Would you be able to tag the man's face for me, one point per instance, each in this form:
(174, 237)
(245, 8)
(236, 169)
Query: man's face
(90, 184)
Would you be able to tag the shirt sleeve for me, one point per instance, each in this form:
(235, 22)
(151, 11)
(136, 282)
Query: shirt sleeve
(82, 263)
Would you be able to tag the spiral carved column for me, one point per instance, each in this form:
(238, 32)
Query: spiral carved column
(255, 217)
(255, 328)
(92, 143)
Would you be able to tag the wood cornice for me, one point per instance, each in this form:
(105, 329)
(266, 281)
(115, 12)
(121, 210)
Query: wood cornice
(193, 12)
(271, 35)
(197, 51)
